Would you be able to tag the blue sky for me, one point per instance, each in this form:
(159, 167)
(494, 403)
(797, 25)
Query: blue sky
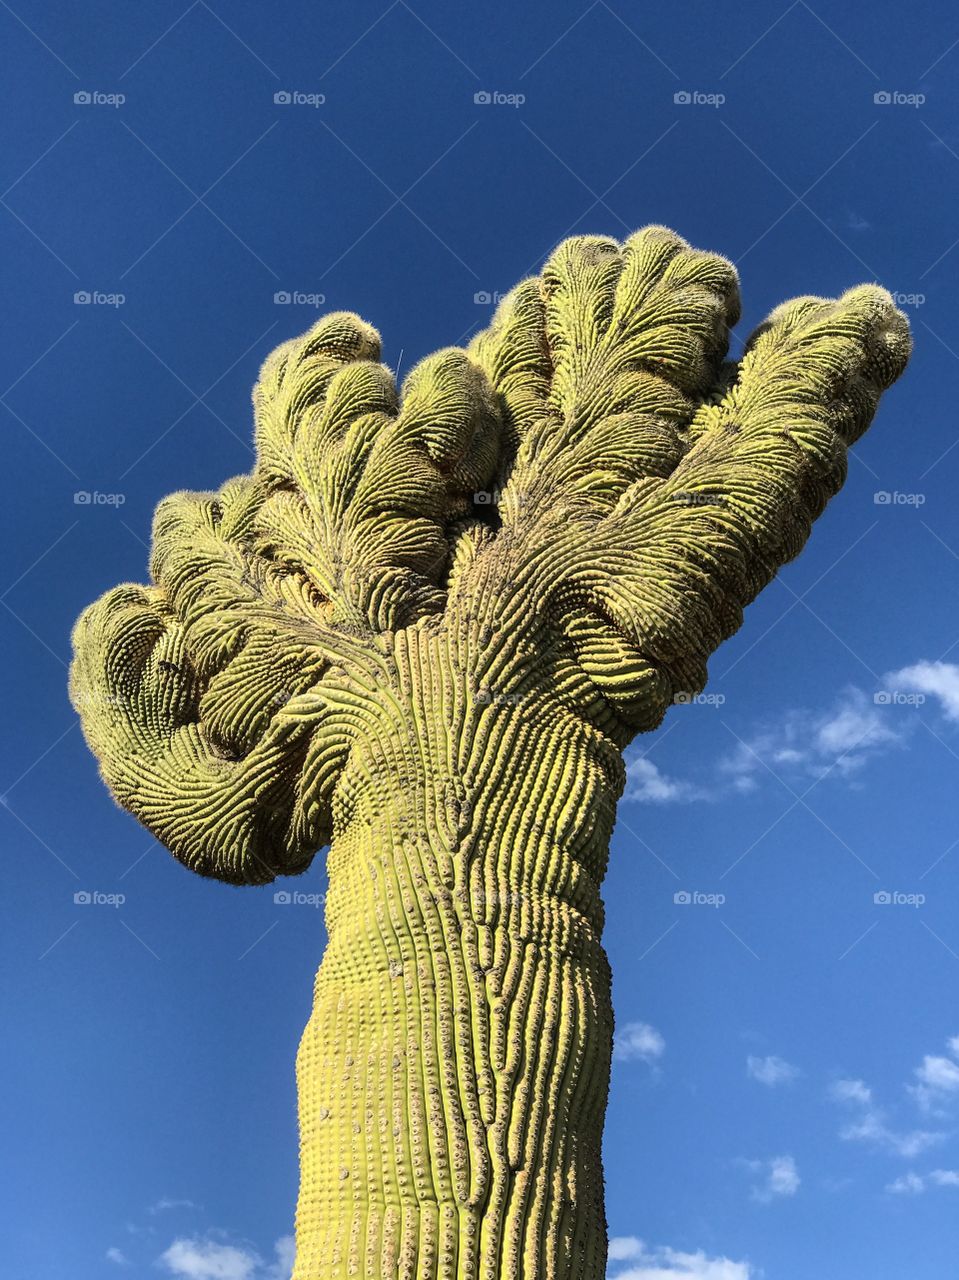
(786, 1086)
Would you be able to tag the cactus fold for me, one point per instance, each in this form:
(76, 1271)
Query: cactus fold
(422, 630)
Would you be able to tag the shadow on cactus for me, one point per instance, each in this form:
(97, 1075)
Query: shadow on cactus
(422, 630)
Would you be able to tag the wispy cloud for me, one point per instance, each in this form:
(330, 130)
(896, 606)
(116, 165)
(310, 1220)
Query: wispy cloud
(937, 1080)
(806, 744)
(771, 1071)
(638, 1041)
(664, 1263)
(914, 1184)
(869, 1124)
(166, 1203)
(852, 1091)
(814, 743)
(779, 1178)
(117, 1256)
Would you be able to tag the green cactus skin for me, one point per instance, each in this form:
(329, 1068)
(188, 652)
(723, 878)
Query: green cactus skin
(423, 629)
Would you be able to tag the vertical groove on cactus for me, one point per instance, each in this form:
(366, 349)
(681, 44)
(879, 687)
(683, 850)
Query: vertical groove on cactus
(422, 630)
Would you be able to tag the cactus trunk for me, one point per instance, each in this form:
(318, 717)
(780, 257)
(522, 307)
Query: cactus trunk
(454, 1072)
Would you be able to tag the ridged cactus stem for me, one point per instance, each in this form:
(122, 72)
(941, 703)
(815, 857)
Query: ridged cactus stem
(454, 1072)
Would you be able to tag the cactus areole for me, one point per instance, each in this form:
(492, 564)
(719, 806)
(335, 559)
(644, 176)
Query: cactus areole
(422, 630)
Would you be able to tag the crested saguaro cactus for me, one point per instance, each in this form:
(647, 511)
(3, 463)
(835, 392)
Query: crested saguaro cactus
(423, 629)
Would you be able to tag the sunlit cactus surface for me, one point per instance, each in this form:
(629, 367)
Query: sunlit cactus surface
(422, 630)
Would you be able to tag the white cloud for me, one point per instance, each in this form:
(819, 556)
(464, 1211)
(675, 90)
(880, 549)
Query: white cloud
(911, 1184)
(854, 725)
(771, 1071)
(118, 1256)
(196, 1259)
(625, 1248)
(870, 1126)
(638, 1041)
(939, 680)
(804, 743)
(813, 743)
(852, 1091)
(647, 783)
(780, 1177)
(664, 1263)
(937, 1080)
(285, 1250)
(872, 1129)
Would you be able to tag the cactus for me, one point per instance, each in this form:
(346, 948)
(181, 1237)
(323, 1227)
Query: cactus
(422, 630)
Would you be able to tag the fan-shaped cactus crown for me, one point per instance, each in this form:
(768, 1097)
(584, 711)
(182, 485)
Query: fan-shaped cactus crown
(645, 491)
